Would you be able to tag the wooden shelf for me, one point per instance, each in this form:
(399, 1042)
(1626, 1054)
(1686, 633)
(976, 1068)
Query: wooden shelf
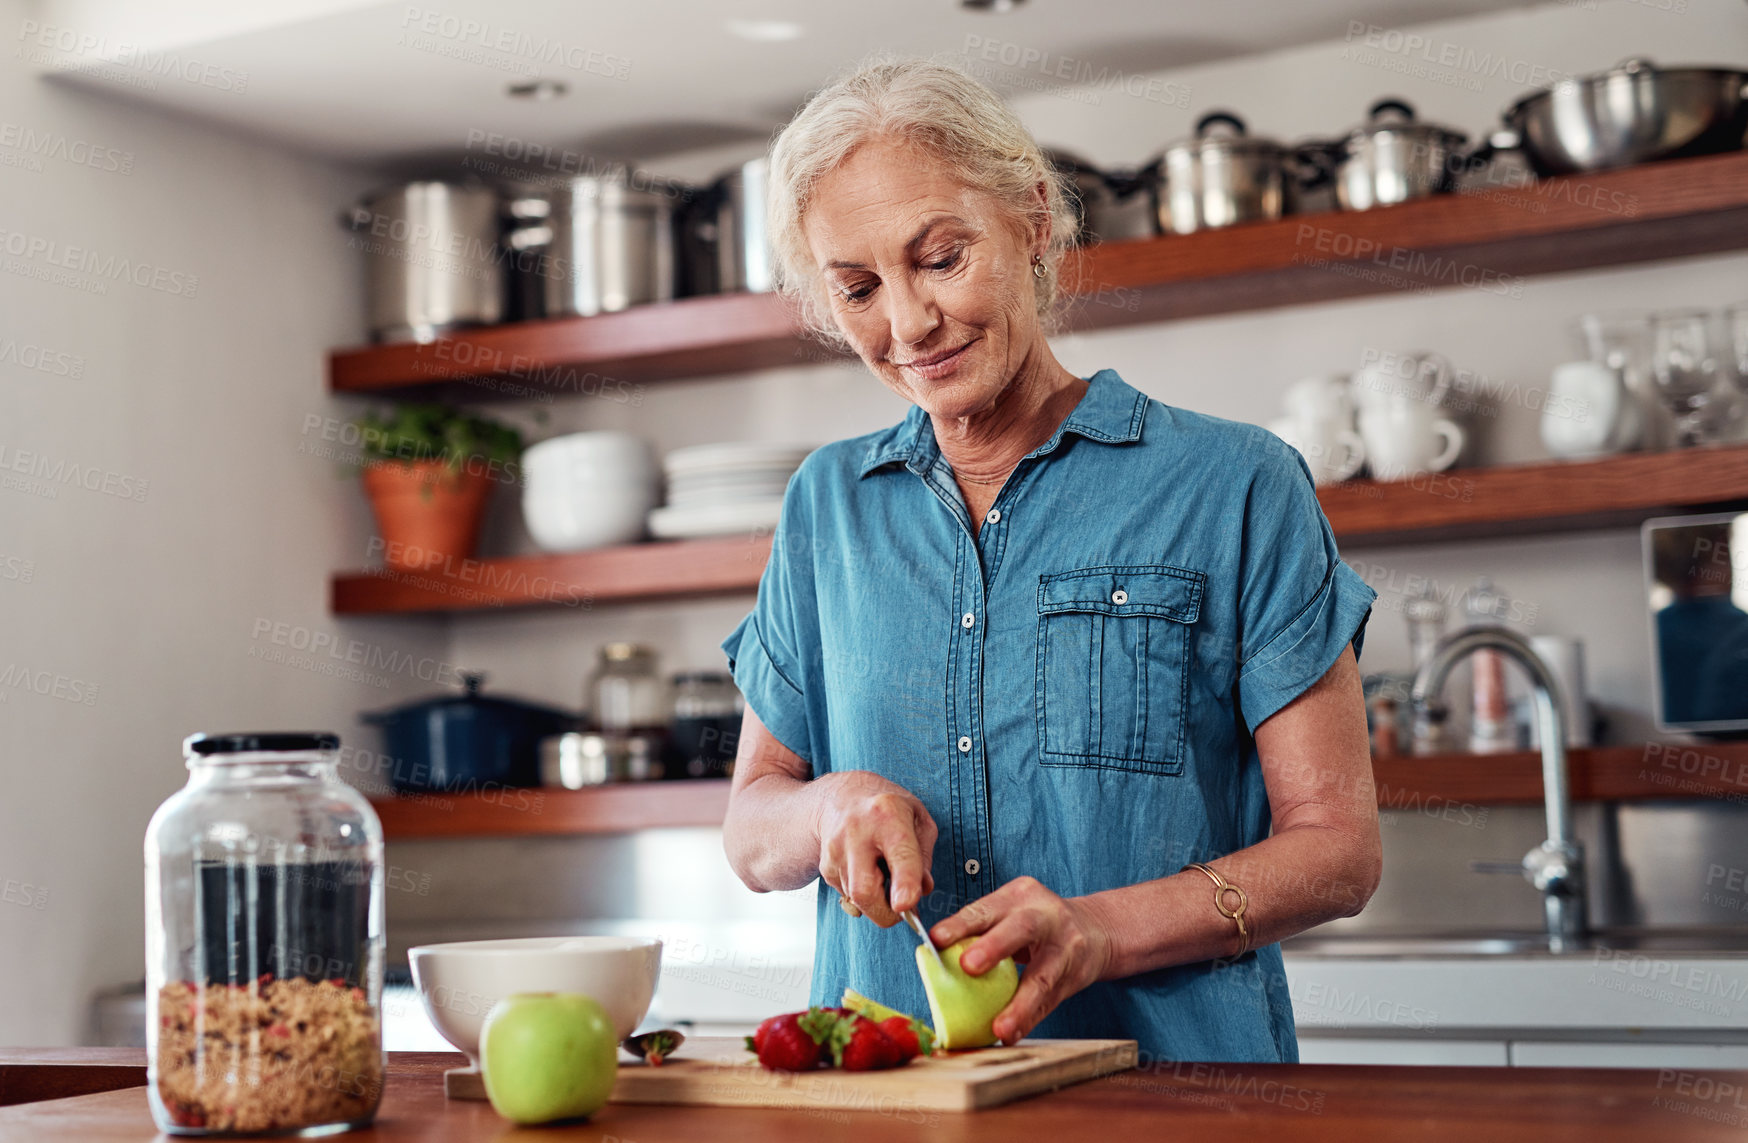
(554, 813)
(1439, 785)
(602, 356)
(1651, 772)
(1483, 241)
(674, 569)
(1464, 503)
(1550, 496)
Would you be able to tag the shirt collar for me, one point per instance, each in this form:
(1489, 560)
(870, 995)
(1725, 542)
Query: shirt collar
(1110, 412)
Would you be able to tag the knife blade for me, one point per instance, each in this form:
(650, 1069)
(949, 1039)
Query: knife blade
(910, 918)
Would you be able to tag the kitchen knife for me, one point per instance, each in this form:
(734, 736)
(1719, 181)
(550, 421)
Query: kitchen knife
(909, 916)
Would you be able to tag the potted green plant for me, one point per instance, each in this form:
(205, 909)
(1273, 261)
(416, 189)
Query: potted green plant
(429, 470)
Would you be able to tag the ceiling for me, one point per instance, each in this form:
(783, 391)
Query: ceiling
(416, 80)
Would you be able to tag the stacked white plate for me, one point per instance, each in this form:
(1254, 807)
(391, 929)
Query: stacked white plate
(723, 489)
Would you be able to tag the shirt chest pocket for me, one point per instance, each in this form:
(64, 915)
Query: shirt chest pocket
(1113, 666)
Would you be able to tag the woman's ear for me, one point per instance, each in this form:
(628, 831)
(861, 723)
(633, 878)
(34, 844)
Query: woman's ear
(1043, 230)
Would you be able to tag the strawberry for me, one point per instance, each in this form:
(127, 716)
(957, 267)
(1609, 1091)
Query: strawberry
(861, 1045)
(795, 1041)
(913, 1039)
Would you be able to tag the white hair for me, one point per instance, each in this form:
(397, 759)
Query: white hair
(938, 108)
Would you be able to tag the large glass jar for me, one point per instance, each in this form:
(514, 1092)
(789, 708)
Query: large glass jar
(264, 942)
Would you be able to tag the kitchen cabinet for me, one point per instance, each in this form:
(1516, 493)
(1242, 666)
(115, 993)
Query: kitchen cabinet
(1626, 1054)
(1450, 1053)
(1601, 1009)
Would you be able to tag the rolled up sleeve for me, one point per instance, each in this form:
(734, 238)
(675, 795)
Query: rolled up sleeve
(1299, 604)
(765, 652)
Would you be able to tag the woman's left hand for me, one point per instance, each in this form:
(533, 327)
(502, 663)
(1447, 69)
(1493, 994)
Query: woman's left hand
(1062, 942)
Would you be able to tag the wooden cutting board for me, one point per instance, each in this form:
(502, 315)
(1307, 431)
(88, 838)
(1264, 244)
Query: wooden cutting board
(714, 1071)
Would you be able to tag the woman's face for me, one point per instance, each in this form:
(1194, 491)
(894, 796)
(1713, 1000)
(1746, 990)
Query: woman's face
(930, 280)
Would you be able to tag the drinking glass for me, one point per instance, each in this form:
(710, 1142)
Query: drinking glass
(1737, 317)
(1621, 341)
(1686, 372)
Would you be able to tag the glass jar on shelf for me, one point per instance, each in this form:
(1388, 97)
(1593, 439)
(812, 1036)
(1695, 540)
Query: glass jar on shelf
(264, 942)
(707, 714)
(626, 693)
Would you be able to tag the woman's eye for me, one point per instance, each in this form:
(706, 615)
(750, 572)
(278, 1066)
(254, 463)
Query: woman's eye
(856, 293)
(944, 263)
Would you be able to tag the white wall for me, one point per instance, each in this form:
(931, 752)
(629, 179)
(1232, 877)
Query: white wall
(200, 398)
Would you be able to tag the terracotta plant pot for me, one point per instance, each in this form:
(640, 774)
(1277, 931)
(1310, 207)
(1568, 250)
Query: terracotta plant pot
(426, 512)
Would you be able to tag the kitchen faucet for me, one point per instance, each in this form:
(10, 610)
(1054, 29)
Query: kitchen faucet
(1556, 866)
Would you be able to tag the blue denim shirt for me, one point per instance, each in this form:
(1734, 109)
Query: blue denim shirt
(1071, 692)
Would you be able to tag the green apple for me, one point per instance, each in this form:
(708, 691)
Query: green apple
(872, 1009)
(964, 1007)
(548, 1055)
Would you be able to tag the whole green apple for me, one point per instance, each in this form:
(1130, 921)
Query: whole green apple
(548, 1055)
(964, 1007)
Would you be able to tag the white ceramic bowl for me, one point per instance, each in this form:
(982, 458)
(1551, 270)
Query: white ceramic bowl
(459, 982)
(588, 490)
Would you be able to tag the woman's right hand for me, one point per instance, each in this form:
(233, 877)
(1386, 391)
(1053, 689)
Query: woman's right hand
(862, 819)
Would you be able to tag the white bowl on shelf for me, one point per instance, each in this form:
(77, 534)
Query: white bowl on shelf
(588, 490)
(459, 982)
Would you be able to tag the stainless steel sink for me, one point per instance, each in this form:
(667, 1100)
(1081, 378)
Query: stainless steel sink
(1698, 942)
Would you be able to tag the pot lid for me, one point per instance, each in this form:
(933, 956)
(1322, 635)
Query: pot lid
(1392, 115)
(471, 682)
(1223, 131)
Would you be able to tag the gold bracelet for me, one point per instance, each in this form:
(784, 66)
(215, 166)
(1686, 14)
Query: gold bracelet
(1221, 888)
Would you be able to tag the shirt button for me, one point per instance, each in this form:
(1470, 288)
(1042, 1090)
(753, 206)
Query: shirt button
(972, 866)
(965, 744)
(994, 516)
(1119, 597)
(968, 620)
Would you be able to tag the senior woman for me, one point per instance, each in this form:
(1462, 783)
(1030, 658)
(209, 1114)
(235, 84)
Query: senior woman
(1049, 661)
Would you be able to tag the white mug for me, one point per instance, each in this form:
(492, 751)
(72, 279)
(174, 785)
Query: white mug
(1323, 398)
(1404, 439)
(1331, 450)
(1402, 378)
(1589, 411)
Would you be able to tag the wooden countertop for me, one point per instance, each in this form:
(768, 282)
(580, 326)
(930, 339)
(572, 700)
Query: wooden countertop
(1281, 1102)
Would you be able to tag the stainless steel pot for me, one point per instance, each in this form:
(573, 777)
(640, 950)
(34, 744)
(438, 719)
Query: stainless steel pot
(432, 259)
(1222, 176)
(743, 248)
(1632, 113)
(1108, 206)
(1391, 158)
(603, 244)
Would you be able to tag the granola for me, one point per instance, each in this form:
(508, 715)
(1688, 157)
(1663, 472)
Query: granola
(270, 1055)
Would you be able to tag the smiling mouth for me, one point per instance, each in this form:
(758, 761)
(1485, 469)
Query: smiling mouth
(935, 361)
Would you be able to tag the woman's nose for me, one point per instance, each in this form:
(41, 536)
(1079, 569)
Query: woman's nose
(912, 313)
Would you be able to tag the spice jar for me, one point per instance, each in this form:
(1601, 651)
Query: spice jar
(707, 716)
(264, 942)
(626, 694)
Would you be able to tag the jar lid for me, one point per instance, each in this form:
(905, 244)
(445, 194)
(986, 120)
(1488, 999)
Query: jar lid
(626, 652)
(261, 742)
